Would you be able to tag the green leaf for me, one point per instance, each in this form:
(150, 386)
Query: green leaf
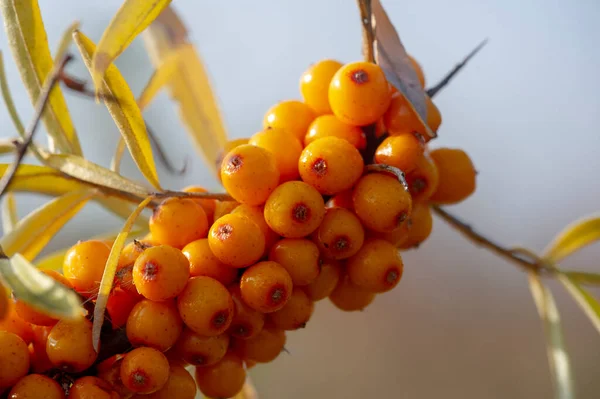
(9, 213)
(573, 237)
(584, 299)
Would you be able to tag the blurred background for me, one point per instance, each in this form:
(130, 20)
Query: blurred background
(461, 324)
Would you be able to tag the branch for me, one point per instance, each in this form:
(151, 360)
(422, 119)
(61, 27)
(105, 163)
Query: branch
(183, 194)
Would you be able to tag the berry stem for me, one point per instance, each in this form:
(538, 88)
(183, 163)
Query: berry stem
(368, 31)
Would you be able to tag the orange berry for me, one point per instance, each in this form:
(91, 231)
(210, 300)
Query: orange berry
(37, 350)
(295, 209)
(180, 385)
(423, 181)
(154, 324)
(178, 221)
(266, 286)
(109, 370)
(14, 359)
(400, 235)
(349, 297)
(456, 175)
(292, 116)
(204, 263)
(236, 240)
(330, 165)
(299, 256)
(230, 145)
(223, 208)
(127, 258)
(257, 215)
(264, 347)
(207, 204)
(144, 370)
(330, 126)
(340, 234)
(223, 379)
(3, 302)
(34, 385)
(14, 324)
(247, 322)
(402, 151)
(69, 346)
(381, 202)
(206, 306)
(421, 224)
(84, 265)
(434, 117)
(401, 119)
(119, 306)
(31, 315)
(359, 93)
(200, 350)
(417, 67)
(376, 267)
(296, 312)
(249, 174)
(92, 388)
(314, 85)
(325, 283)
(284, 146)
(161, 272)
(341, 200)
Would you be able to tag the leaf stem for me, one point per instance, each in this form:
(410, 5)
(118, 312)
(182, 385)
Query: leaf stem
(368, 31)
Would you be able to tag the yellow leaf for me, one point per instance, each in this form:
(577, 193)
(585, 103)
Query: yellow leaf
(109, 272)
(115, 162)
(9, 213)
(189, 86)
(29, 45)
(32, 233)
(584, 299)
(574, 237)
(583, 277)
(164, 74)
(10, 105)
(125, 112)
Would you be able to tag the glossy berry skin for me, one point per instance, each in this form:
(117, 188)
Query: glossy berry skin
(230, 145)
(377, 267)
(456, 173)
(144, 370)
(223, 208)
(154, 324)
(178, 221)
(349, 297)
(381, 202)
(92, 388)
(236, 240)
(402, 151)
(400, 235)
(247, 322)
(14, 359)
(161, 272)
(257, 215)
(249, 174)
(200, 350)
(180, 385)
(34, 385)
(314, 85)
(69, 346)
(266, 286)
(330, 126)
(341, 200)
(340, 234)
(206, 306)
(359, 93)
(296, 312)
(299, 256)
(421, 224)
(31, 315)
(109, 370)
(326, 282)
(37, 350)
(294, 209)
(119, 306)
(331, 165)
(418, 70)
(127, 258)
(84, 265)
(292, 115)
(284, 146)
(204, 263)
(423, 181)
(399, 118)
(222, 380)
(14, 324)
(264, 347)
(207, 204)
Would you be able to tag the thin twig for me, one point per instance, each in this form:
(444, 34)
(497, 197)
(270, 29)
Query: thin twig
(22, 147)
(80, 86)
(368, 32)
(183, 194)
(162, 155)
(435, 89)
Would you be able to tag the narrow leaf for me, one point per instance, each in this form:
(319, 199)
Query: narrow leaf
(9, 213)
(583, 277)
(557, 353)
(29, 45)
(115, 162)
(109, 272)
(8, 100)
(162, 76)
(131, 19)
(573, 237)
(42, 292)
(584, 299)
(125, 112)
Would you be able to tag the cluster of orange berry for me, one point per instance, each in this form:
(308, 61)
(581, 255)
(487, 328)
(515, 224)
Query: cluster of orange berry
(216, 284)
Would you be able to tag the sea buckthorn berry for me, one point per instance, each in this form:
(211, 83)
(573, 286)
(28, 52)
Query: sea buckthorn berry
(330, 126)
(359, 93)
(456, 175)
(247, 322)
(154, 324)
(330, 165)
(299, 256)
(178, 221)
(292, 116)
(398, 236)
(296, 312)
(417, 67)
(376, 267)
(204, 263)
(340, 234)
(35, 386)
(423, 181)
(249, 174)
(236, 240)
(314, 85)
(284, 146)
(266, 286)
(37, 350)
(180, 385)
(14, 324)
(434, 117)
(257, 215)
(295, 209)
(421, 224)
(200, 350)
(206, 203)
(144, 370)
(69, 346)
(127, 258)
(381, 202)
(92, 388)
(400, 118)
(230, 145)
(349, 297)
(119, 306)
(109, 370)
(223, 208)
(14, 359)
(341, 200)
(161, 272)
(3, 302)
(84, 265)
(31, 315)
(325, 283)
(264, 347)
(222, 380)
(206, 306)
(401, 151)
